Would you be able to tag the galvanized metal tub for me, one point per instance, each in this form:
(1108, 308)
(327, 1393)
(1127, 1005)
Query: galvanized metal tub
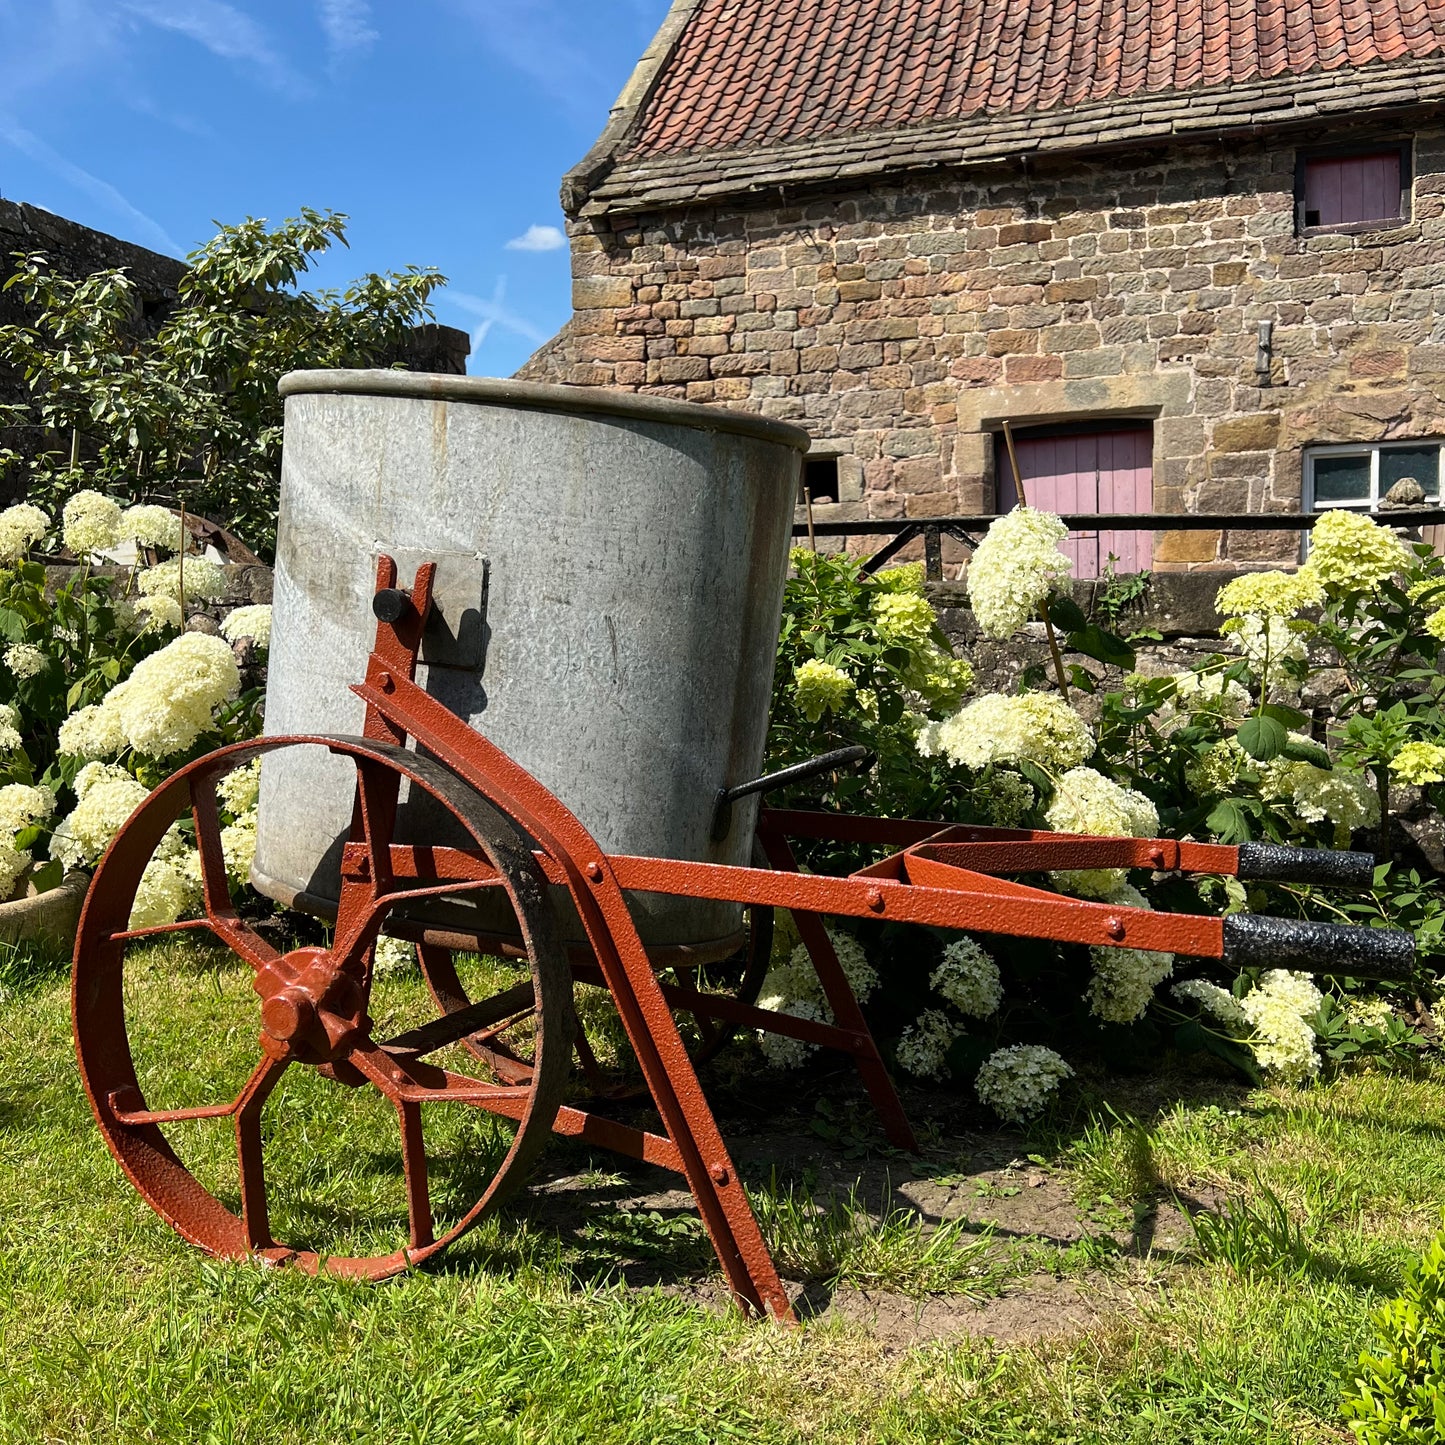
(610, 576)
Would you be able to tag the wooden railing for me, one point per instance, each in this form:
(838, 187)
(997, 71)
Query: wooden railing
(970, 530)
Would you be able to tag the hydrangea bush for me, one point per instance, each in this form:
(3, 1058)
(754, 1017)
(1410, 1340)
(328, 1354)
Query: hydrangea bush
(102, 696)
(1225, 751)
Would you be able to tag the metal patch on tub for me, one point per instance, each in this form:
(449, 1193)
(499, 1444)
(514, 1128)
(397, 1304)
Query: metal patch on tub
(456, 632)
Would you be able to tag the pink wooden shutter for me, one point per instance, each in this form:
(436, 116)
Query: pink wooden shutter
(1088, 472)
(1341, 190)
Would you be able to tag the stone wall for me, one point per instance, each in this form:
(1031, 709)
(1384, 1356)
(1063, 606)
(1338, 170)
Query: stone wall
(901, 324)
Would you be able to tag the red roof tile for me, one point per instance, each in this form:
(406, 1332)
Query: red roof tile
(771, 72)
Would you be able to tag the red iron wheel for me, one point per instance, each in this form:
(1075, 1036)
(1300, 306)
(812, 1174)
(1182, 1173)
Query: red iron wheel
(327, 1161)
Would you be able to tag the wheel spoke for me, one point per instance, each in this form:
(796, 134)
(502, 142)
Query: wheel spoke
(250, 1154)
(221, 916)
(464, 1024)
(411, 1081)
(414, 1168)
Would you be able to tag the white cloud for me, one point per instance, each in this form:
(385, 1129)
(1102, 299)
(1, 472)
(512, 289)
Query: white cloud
(347, 27)
(538, 238)
(494, 312)
(146, 231)
(225, 32)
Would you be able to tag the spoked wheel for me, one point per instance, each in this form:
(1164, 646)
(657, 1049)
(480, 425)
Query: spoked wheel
(739, 976)
(362, 1136)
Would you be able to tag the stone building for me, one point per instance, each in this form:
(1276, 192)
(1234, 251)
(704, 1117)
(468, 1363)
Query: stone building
(1193, 251)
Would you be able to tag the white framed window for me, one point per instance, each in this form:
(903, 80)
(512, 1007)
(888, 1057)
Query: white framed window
(1359, 474)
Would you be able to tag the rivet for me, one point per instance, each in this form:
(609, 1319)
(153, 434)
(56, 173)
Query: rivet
(594, 871)
(1156, 857)
(383, 681)
(719, 1173)
(874, 900)
(1114, 927)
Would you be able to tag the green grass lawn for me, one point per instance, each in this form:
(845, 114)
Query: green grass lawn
(113, 1329)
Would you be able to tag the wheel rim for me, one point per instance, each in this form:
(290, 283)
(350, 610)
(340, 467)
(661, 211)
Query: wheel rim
(330, 1028)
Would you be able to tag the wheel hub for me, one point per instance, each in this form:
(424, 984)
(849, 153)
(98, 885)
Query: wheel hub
(312, 1009)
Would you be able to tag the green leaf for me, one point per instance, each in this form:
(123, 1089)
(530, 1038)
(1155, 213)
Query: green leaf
(1287, 717)
(47, 875)
(1082, 679)
(890, 708)
(1263, 737)
(1228, 822)
(1307, 753)
(1065, 613)
(1094, 642)
(12, 625)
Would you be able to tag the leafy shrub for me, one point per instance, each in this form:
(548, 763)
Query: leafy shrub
(190, 412)
(1398, 1395)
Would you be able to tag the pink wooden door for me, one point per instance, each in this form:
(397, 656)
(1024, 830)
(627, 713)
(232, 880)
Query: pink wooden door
(1081, 472)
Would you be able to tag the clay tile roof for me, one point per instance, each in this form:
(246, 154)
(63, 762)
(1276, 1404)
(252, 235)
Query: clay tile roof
(762, 73)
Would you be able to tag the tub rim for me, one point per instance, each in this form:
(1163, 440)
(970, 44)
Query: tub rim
(539, 396)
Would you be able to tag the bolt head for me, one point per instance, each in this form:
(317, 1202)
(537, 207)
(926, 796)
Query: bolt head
(719, 1173)
(383, 681)
(1114, 927)
(594, 871)
(874, 900)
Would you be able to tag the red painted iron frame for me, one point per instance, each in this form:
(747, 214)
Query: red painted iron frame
(939, 875)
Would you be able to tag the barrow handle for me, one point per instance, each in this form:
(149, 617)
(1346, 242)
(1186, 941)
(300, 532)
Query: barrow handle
(1306, 865)
(1335, 950)
(722, 818)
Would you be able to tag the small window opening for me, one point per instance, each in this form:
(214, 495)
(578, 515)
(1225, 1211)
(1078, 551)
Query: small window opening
(1361, 188)
(820, 478)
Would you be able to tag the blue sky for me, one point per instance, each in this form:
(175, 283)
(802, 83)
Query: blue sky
(441, 127)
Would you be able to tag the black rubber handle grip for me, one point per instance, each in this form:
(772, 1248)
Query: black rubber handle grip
(1336, 950)
(390, 604)
(1306, 865)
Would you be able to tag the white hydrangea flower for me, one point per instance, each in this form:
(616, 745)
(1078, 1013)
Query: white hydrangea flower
(1278, 1010)
(152, 526)
(1258, 638)
(1087, 802)
(1218, 1002)
(1212, 693)
(23, 660)
(241, 787)
(238, 847)
(1124, 982)
(170, 885)
(392, 956)
(783, 1052)
(104, 805)
(253, 622)
(925, 1043)
(1217, 770)
(1340, 795)
(170, 698)
(160, 612)
(21, 527)
(1008, 799)
(92, 732)
(90, 523)
(1369, 1013)
(968, 978)
(21, 805)
(1038, 727)
(1013, 569)
(1018, 1081)
(93, 773)
(13, 863)
(798, 979)
(820, 687)
(204, 579)
(10, 738)
(903, 619)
